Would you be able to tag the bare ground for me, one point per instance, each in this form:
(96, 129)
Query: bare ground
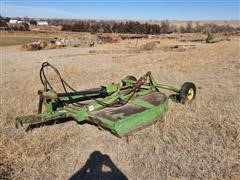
(196, 141)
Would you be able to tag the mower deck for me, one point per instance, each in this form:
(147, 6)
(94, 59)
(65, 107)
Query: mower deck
(139, 112)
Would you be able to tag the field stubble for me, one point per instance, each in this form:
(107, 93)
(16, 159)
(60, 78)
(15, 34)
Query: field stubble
(200, 140)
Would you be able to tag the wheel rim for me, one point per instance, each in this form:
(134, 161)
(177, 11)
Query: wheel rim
(190, 94)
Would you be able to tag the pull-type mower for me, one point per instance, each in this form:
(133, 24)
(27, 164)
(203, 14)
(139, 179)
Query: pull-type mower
(119, 108)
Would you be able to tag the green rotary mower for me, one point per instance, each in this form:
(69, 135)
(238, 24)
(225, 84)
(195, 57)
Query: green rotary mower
(120, 108)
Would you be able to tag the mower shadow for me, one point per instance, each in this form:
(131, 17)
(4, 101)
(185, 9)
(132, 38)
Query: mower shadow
(99, 167)
(48, 123)
(58, 121)
(175, 98)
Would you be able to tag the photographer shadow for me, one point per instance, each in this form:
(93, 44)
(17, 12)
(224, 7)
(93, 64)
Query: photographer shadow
(99, 167)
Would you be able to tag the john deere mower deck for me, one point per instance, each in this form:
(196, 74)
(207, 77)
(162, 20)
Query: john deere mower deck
(120, 108)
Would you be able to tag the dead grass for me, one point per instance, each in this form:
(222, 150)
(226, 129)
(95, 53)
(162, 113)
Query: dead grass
(196, 141)
(150, 45)
(19, 38)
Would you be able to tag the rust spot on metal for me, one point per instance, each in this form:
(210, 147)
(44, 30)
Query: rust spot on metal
(117, 113)
(156, 98)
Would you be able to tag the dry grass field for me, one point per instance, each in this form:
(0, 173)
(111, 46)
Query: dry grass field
(19, 38)
(233, 23)
(196, 141)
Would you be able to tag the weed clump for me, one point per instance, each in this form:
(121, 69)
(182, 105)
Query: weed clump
(149, 46)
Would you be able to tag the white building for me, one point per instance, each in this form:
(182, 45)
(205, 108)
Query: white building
(13, 21)
(42, 23)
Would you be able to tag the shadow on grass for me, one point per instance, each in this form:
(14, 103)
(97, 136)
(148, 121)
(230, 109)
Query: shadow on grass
(48, 123)
(175, 98)
(99, 167)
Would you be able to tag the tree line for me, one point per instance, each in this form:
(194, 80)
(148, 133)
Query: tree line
(111, 26)
(135, 27)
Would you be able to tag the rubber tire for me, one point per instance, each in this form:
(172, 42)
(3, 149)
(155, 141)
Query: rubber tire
(184, 92)
(133, 78)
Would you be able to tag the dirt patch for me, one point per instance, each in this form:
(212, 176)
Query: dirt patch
(150, 45)
(178, 48)
(133, 36)
(108, 38)
(192, 38)
(203, 38)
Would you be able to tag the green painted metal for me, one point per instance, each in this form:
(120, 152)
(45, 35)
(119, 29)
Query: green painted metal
(135, 122)
(40, 118)
(120, 108)
(161, 86)
(140, 102)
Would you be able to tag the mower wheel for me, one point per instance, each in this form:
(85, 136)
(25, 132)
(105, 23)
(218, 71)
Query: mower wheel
(187, 92)
(132, 78)
(127, 79)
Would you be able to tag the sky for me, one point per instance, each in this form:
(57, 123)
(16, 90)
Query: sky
(123, 9)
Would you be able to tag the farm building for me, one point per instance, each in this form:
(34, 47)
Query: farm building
(13, 21)
(42, 23)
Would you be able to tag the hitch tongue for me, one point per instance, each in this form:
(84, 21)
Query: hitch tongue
(40, 118)
(32, 119)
